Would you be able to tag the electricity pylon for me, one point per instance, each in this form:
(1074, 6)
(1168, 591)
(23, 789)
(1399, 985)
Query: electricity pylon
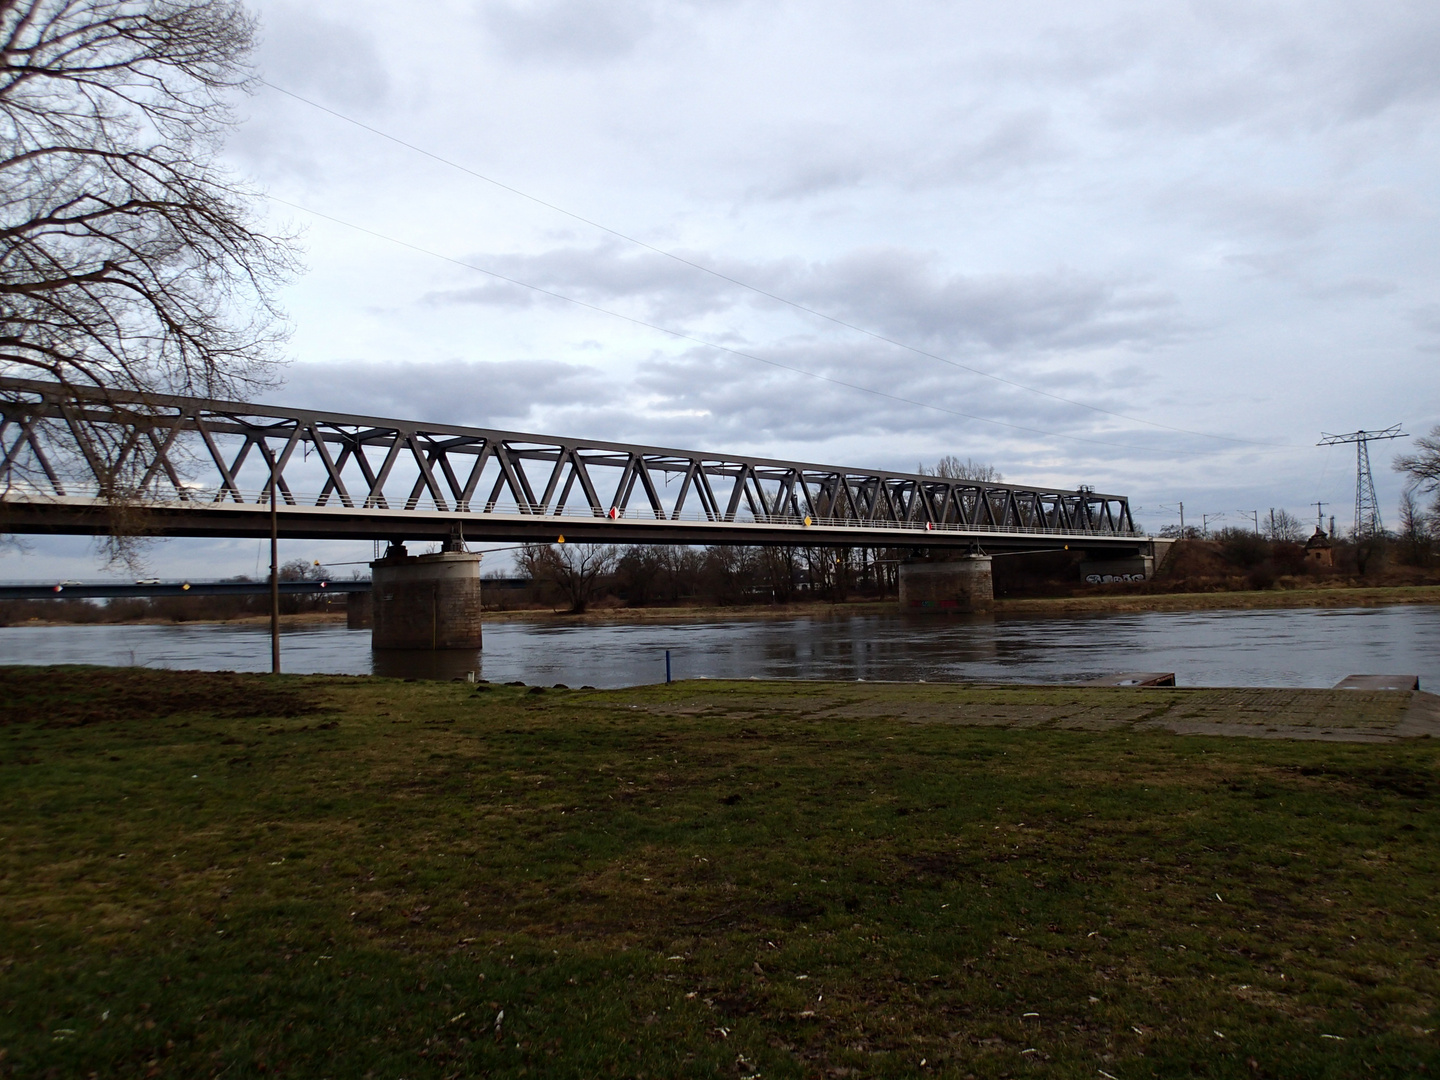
(1367, 506)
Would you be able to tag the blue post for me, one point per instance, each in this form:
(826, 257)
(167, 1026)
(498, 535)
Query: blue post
(667, 665)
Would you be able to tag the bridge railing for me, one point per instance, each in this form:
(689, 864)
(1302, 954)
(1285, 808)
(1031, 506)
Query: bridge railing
(199, 496)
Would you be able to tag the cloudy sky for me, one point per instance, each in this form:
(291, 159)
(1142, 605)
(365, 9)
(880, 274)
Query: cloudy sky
(1153, 247)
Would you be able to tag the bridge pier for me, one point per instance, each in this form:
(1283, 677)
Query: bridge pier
(360, 610)
(425, 601)
(964, 585)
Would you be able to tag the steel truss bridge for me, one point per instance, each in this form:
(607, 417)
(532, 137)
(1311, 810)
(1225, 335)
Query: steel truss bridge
(199, 467)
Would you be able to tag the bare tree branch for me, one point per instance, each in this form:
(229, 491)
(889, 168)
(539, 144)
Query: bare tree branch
(952, 468)
(1423, 468)
(128, 258)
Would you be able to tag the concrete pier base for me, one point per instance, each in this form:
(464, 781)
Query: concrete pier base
(426, 601)
(961, 585)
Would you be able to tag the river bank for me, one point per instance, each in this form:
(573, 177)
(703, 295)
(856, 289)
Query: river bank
(1334, 596)
(247, 874)
(1340, 596)
(1106, 604)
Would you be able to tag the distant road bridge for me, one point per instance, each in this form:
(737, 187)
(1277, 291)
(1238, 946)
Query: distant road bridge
(199, 467)
(113, 590)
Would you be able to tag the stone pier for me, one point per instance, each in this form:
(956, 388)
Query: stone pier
(964, 584)
(425, 601)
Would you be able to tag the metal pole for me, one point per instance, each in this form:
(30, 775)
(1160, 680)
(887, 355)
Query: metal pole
(274, 578)
(667, 666)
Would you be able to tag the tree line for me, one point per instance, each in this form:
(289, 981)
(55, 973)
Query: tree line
(726, 574)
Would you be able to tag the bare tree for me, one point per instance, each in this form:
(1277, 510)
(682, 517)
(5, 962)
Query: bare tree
(573, 570)
(1423, 467)
(952, 468)
(1417, 528)
(128, 258)
(1283, 525)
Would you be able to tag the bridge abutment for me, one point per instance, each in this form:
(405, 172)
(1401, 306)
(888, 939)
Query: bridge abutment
(425, 601)
(964, 585)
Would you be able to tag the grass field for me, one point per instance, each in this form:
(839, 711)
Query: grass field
(210, 874)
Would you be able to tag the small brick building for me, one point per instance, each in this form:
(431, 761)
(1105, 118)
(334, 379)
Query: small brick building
(1318, 549)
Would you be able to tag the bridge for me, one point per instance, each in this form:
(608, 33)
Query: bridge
(93, 461)
(114, 590)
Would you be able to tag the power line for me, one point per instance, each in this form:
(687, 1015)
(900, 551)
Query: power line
(746, 285)
(681, 335)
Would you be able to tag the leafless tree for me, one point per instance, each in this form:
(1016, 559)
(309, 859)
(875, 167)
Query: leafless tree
(1417, 528)
(1283, 525)
(128, 258)
(573, 570)
(1423, 467)
(952, 468)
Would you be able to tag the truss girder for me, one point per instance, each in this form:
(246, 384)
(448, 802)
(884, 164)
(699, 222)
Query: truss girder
(199, 452)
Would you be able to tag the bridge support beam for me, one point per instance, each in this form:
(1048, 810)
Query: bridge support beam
(964, 585)
(425, 601)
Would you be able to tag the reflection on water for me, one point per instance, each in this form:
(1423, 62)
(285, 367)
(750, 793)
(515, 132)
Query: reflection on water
(426, 664)
(1211, 648)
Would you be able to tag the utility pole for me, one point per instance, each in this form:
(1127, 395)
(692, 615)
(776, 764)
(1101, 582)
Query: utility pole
(1182, 521)
(274, 574)
(1367, 506)
(1320, 514)
(1255, 517)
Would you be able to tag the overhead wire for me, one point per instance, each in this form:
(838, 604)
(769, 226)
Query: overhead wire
(683, 336)
(797, 305)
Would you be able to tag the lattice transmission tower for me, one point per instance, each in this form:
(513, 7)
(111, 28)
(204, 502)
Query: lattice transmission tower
(1367, 506)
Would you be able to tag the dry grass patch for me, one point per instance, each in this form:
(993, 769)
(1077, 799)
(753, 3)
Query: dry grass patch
(708, 879)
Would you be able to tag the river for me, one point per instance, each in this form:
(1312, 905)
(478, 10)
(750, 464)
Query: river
(1306, 647)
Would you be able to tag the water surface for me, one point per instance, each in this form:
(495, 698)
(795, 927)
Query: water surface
(1315, 648)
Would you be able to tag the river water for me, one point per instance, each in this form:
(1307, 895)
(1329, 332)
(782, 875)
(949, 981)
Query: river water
(1315, 648)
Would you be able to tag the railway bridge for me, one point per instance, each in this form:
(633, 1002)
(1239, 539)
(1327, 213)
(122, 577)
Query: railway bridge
(97, 461)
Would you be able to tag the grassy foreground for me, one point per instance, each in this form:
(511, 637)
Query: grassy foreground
(221, 874)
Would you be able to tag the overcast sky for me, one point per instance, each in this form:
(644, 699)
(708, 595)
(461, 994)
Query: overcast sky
(1152, 247)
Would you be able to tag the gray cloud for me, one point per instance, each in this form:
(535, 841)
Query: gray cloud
(505, 394)
(611, 271)
(568, 30)
(324, 58)
(1355, 288)
(1427, 318)
(973, 148)
(1233, 63)
(1015, 141)
(897, 292)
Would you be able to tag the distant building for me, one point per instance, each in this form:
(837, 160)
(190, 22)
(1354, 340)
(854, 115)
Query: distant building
(1318, 549)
